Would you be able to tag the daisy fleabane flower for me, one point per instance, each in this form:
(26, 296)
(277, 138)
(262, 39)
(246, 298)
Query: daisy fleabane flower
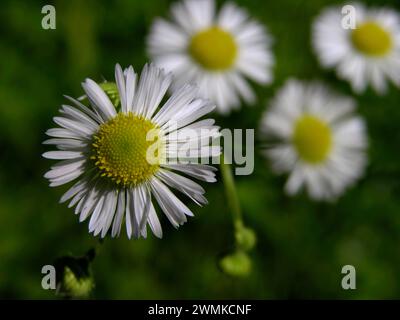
(217, 51)
(108, 151)
(366, 55)
(315, 137)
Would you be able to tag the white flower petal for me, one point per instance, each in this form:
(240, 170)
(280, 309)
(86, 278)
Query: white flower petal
(173, 208)
(120, 81)
(154, 222)
(62, 155)
(152, 87)
(65, 167)
(74, 126)
(190, 188)
(116, 228)
(99, 99)
(81, 117)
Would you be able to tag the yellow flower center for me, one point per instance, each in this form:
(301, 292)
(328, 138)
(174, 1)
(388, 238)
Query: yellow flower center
(312, 139)
(213, 48)
(371, 39)
(126, 149)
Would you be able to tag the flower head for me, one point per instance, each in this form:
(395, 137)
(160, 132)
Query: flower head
(366, 55)
(123, 157)
(316, 139)
(215, 50)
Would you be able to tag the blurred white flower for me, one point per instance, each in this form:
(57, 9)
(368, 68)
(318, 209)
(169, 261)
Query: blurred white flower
(366, 55)
(107, 151)
(217, 51)
(316, 139)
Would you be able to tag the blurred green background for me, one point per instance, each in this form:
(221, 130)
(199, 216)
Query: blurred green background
(302, 245)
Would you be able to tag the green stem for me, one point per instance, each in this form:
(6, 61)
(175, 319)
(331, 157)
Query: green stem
(231, 193)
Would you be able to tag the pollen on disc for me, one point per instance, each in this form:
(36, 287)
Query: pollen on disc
(120, 149)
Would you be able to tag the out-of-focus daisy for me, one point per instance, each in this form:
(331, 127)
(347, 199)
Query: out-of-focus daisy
(109, 152)
(316, 139)
(215, 50)
(366, 55)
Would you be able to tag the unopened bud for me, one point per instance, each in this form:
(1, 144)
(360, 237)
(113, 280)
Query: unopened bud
(245, 238)
(110, 88)
(73, 286)
(237, 264)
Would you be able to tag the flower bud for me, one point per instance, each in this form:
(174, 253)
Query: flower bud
(237, 264)
(75, 287)
(245, 238)
(110, 88)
